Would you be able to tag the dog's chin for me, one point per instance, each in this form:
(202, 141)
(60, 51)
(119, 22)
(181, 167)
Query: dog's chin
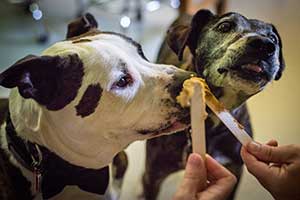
(166, 129)
(172, 128)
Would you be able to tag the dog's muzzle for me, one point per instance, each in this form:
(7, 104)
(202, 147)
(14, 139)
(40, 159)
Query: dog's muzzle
(176, 86)
(255, 63)
(174, 89)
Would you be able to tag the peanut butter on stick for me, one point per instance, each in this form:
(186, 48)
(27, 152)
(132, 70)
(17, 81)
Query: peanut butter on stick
(184, 99)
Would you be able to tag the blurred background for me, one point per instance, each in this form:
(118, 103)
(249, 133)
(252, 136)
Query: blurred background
(30, 26)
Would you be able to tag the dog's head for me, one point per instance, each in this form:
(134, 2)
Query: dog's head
(92, 89)
(231, 51)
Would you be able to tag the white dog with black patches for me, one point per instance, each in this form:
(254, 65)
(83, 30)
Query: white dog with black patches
(79, 104)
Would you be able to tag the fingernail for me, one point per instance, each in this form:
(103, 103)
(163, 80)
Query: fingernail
(254, 146)
(194, 160)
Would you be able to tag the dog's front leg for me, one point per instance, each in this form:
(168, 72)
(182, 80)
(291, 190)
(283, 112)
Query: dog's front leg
(163, 157)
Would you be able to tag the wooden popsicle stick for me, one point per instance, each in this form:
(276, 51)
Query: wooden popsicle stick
(224, 115)
(198, 116)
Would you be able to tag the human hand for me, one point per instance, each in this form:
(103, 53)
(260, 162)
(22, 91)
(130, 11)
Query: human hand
(276, 168)
(217, 185)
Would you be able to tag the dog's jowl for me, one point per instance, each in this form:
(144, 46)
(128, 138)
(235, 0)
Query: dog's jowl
(77, 106)
(237, 57)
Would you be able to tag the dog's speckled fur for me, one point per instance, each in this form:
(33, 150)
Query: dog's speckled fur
(218, 56)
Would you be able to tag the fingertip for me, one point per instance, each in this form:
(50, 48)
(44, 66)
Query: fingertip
(195, 173)
(244, 151)
(232, 179)
(215, 169)
(207, 156)
(210, 161)
(272, 142)
(247, 157)
(194, 160)
(253, 147)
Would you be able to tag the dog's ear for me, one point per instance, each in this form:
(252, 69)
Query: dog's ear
(199, 21)
(177, 37)
(281, 59)
(81, 25)
(52, 81)
(180, 36)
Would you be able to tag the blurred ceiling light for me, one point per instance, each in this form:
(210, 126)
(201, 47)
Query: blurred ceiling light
(175, 3)
(153, 5)
(125, 22)
(37, 14)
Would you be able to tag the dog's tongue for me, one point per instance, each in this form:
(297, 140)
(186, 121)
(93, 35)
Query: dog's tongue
(253, 67)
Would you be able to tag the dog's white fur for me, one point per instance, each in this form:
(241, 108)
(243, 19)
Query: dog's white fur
(93, 141)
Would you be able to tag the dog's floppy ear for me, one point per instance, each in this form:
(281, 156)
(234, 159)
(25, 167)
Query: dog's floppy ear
(177, 37)
(81, 25)
(52, 81)
(281, 59)
(180, 36)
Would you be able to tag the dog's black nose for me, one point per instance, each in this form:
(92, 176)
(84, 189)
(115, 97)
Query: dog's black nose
(263, 46)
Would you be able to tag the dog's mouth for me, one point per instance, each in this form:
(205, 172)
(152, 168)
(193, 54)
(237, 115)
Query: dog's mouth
(169, 127)
(253, 71)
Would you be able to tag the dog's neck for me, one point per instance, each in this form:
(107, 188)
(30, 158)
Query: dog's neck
(230, 98)
(79, 145)
(65, 134)
(45, 164)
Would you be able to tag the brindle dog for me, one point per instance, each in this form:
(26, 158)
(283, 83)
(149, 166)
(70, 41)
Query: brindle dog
(237, 57)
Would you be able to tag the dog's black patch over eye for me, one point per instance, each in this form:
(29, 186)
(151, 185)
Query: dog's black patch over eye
(225, 27)
(124, 81)
(89, 101)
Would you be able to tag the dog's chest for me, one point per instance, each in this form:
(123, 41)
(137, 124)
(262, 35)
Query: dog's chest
(69, 191)
(59, 180)
(73, 192)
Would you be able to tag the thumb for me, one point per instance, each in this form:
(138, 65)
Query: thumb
(194, 179)
(269, 153)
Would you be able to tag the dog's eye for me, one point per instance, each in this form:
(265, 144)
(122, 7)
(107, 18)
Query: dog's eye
(124, 81)
(273, 38)
(225, 27)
